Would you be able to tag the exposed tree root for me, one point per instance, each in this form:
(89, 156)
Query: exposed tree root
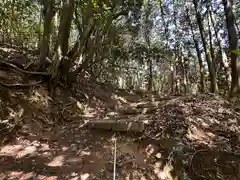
(21, 85)
(191, 162)
(24, 71)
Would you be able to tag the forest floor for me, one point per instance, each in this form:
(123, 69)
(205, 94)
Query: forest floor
(171, 137)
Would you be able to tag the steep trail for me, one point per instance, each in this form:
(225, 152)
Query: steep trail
(179, 132)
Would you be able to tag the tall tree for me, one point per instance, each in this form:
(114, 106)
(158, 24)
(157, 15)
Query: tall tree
(167, 44)
(211, 68)
(65, 25)
(233, 47)
(220, 43)
(61, 47)
(48, 13)
(210, 37)
(147, 30)
(200, 61)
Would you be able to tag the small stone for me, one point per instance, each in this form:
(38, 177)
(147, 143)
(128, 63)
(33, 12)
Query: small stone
(159, 155)
(64, 148)
(74, 174)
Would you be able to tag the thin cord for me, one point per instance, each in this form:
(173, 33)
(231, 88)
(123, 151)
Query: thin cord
(115, 159)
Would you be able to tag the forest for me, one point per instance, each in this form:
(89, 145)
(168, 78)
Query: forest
(120, 89)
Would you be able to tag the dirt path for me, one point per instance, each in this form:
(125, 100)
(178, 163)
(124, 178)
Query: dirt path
(70, 153)
(183, 138)
(75, 153)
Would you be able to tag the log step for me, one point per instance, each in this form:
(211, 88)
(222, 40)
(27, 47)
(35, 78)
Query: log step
(117, 125)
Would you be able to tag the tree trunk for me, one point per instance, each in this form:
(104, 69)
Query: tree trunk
(200, 61)
(38, 46)
(211, 40)
(211, 68)
(173, 77)
(65, 25)
(48, 14)
(184, 73)
(222, 52)
(78, 51)
(150, 78)
(61, 47)
(167, 46)
(12, 28)
(233, 46)
(63, 36)
(80, 46)
(54, 35)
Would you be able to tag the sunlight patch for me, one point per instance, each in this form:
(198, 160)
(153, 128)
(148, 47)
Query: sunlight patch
(44, 147)
(205, 125)
(150, 150)
(197, 134)
(13, 114)
(165, 173)
(42, 177)
(40, 96)
(65, 148)
(121, 99)
(85, 153)
(92, 115)
(14, 174)
(85, 176)
(143, 178)
(26, 151)
(29, 175)
(57, 161)
(10, 150)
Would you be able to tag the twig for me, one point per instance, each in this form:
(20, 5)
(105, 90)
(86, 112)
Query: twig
(3, 129)
(38, 123)
(24, 71)
(65, 107)
(21, 85)
(46, 121)
(127, 162)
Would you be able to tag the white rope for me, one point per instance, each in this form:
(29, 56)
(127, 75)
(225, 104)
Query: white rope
(115, 159)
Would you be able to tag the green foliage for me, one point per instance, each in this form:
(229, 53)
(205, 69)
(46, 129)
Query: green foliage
(18, 21)
(237, 51)
(123, 35)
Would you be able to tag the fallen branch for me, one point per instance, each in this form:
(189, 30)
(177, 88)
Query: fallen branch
(21, 85)
(24, 71)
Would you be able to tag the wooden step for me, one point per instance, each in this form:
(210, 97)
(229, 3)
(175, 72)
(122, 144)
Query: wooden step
(122, 125)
